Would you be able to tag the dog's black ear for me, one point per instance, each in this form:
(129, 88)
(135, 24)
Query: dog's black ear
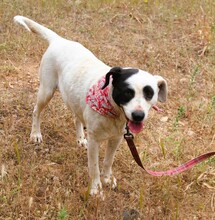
(114, 72)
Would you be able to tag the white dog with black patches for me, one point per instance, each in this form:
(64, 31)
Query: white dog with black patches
(102, 98)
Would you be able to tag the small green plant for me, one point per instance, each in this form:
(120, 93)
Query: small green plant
(141, 199)
(180, 114)
(87, 193)
(17, 152)
(213, 31)
(178, 151)
(176, 212)
(211, 106)
(192, 82)
(162, 146)
(18, 158)
(210, 161)
(62, 214)
(175, 143)
(194, 75)
(213, 102)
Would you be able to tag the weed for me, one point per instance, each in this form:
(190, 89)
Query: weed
(141, 199)
(62, 214)
(180, 114)
(174, 143)
(192, 82)
(162, 146)
(17, 152)
(18, 158)
(210, 161)
(194, 75)
(211, 106)
(3, 172)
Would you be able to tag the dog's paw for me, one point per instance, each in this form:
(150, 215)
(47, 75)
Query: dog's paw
(82, 142)
(36, 137)
(96, 190)
(111, 181)
(97, 193)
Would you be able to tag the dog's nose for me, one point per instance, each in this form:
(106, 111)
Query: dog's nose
(138, 116)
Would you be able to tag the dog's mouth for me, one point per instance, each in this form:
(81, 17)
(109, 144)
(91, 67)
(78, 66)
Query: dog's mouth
(135, 127)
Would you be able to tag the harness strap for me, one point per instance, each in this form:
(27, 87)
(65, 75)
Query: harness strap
(129, 139)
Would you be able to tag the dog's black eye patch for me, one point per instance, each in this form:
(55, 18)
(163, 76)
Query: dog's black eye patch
(148, 92)
(122, 94)
(128, 94)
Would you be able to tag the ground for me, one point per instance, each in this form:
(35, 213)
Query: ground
(174, 39)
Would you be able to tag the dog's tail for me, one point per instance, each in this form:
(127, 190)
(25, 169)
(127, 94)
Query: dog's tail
(34, 27)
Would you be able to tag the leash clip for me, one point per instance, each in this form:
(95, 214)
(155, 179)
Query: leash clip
(128, 134)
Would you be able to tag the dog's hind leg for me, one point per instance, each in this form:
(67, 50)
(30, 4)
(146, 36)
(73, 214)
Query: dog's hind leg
(48, 85)
(81, 140)
(43, 97)
(108, 162)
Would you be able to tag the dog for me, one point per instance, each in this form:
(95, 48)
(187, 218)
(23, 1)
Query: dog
(103, 99)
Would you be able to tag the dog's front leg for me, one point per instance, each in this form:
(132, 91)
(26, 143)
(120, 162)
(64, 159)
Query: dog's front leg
(93, 166)
(108, 161)
(81, 140)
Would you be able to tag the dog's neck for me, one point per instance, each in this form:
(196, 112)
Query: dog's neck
(101, 100)
(119, 110)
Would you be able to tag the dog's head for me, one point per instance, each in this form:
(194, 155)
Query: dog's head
(136, 91)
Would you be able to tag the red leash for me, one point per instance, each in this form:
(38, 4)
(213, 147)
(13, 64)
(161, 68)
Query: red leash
(129, 138)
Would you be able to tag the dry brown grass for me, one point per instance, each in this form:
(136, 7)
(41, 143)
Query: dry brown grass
(175, 39)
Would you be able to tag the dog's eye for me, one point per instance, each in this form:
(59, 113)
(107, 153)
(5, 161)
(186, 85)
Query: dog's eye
(148, 92)
(122, 94)
(129, 93)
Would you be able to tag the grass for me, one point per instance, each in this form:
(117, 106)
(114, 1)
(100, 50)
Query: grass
(175, 39)
(62, 214)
